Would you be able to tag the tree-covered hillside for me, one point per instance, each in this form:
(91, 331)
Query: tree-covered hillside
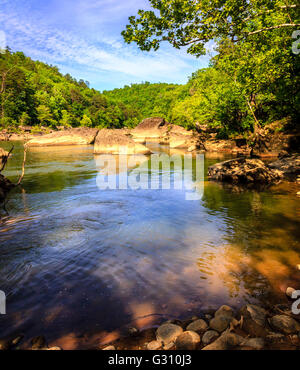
(36, 94)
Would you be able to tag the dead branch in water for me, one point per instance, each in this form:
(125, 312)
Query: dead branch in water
(6, 158)
(23, 165)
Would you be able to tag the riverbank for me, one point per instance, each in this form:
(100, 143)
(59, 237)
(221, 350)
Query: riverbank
(252, 327)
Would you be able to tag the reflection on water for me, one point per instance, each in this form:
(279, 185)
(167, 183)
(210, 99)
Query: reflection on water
(79, 264)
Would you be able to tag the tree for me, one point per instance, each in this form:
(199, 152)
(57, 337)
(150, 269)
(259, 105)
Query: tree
(192, 23)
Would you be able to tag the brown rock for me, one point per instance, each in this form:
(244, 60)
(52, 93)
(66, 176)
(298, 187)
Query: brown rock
(167, 333)
(285, 324)
(74, 136)
(187, 341)
(254, 320)
(199, 326)
(117, 142)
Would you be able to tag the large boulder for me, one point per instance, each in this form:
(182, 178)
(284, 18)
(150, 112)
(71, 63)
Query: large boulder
(150, 128)
(244, 171)
(289, 166)
(117, 142)
(74, 136)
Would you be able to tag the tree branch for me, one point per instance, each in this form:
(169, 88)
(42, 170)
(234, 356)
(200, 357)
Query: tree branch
(273, 28)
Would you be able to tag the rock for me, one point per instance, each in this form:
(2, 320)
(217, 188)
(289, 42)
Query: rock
(152, 129)
(224, 342)
(167, 333)
(132, 331)
(254, 320)
(225, 311)
(255, 343)
(154, 345)
(275, 338)
(169, 346)
(117, 142)
(199, 326)
(289, 167)
(54, 349)
(187, 341)
(243, 171)
(220, 323)
(74, 136)
(109, 348)
(38, 342)
(209, 337)
(289, 292)
(4, 345)
(285, 324)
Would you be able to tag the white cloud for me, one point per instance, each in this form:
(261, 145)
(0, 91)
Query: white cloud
(91, 53)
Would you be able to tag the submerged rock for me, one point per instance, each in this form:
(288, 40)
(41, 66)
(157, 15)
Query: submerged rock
(243, 171)
(168, 333)
(74, 136)
(117, 142)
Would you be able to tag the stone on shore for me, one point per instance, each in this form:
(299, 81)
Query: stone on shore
(187, 341)
(289, 292)
(199, 326)
(225, 311)
(220, 323)
(254, 320)
(154, 345)
(244, 171)
(150, 128)
(209, 337)
(168, 333)
(117, 142)
(74, 136)
(285, 324)
(224, 342)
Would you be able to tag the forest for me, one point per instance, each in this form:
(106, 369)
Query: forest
(252, 79)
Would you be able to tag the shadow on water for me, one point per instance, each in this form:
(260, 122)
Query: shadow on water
(79, 265)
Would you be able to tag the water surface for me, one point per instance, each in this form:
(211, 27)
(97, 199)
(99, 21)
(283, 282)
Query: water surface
(79, 264)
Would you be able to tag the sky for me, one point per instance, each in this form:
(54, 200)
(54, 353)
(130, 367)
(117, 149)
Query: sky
(83, 38)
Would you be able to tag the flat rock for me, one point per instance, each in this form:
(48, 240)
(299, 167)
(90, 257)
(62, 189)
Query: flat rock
(117, 142)
(244, 171)
(199, 326)
(285, 324)
(167, 333)
(187, 341)
(74, 136)
(209, 337)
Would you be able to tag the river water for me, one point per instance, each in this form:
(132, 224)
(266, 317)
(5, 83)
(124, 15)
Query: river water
(79, 264)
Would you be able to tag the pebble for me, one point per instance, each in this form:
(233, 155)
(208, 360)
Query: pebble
(153, 346)
(187, 341)
(209, 337)
(199, 326)
(289, 292)
(109, 348)
(167, 333)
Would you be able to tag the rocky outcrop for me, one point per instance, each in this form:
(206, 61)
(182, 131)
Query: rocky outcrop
(244, 171)
(117, 142)
(152, 129)
(74, 136)
(289, 166)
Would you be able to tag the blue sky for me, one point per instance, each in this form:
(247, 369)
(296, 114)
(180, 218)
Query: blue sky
(82, 37)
